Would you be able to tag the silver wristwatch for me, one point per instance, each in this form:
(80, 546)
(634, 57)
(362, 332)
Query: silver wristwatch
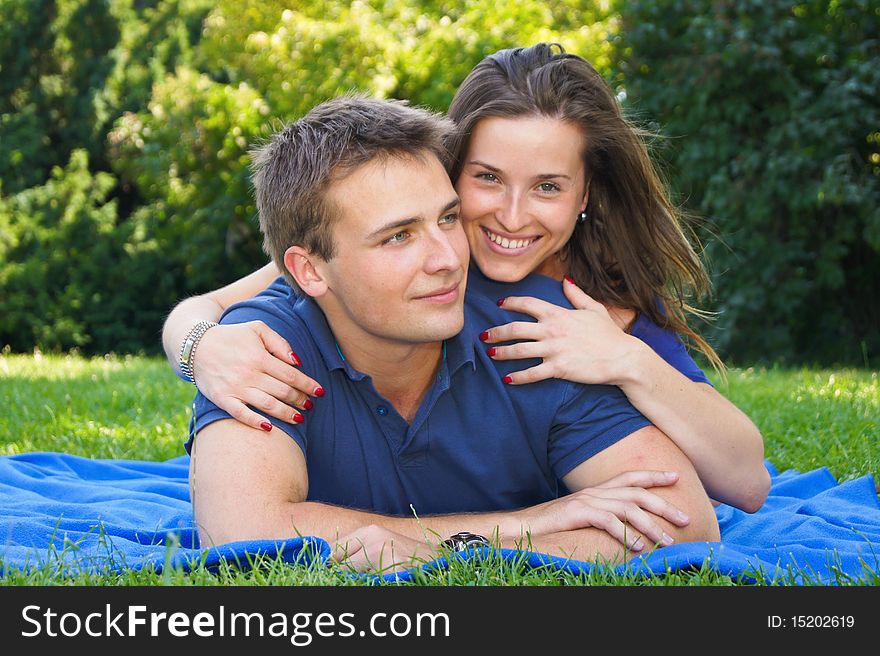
(465, 540)
(188, 348)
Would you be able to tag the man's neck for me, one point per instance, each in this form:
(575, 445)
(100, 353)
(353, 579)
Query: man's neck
(401, 372)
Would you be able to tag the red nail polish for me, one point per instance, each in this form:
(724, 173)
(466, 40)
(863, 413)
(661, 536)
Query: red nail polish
(319, 391)
(484, 335)
(508, 380)
(295, 358)
(491, 351)
(298, 418)
(308, 405)
(567, 279)
(501, 302)
(266, 426)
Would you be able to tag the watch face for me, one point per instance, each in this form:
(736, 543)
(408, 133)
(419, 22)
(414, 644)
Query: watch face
(466, 540)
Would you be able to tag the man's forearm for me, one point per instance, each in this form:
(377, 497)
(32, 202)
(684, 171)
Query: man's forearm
(586, 544)
(308, 518)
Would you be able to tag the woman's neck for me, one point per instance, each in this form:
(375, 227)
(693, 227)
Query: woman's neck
(552, 267)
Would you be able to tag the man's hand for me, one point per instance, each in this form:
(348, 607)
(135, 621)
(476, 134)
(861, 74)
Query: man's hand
(621, 506)
(381, 551)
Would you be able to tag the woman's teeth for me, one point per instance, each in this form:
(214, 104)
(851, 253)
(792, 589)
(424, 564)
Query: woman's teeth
(504, 242)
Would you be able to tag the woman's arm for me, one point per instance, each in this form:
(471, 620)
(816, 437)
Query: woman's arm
(245, 364)
(726, 447)
(586, 345)
(209, 307)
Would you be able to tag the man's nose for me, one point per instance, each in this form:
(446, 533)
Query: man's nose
(442, 254)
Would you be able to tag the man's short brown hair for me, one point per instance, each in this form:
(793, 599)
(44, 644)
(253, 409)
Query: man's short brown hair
(293, 171)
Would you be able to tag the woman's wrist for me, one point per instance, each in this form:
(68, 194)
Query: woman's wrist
(188, 347)
(631, 367)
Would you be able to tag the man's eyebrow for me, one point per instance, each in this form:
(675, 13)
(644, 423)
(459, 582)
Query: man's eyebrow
(541, 176)
(412, 220)
(455, 202)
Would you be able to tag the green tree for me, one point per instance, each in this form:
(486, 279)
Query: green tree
(70, 274)
(125, 127)
(263, 63)
(54, 57)
(77, 267)
(772, 113)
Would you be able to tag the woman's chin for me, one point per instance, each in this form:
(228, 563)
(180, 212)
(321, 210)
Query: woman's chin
(504, 271)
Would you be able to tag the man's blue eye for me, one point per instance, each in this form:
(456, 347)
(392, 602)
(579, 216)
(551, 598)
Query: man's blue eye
(397, 237)
(449, 218)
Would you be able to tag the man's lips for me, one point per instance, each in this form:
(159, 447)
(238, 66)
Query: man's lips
(443, 295)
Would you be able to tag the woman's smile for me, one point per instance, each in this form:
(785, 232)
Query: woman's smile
(522, 186)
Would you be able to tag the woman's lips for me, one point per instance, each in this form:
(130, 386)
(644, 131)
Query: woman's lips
(505, 245)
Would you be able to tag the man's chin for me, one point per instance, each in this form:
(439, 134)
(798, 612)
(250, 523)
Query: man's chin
(440, 330)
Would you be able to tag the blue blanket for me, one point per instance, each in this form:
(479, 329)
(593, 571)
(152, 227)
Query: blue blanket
(69, 513)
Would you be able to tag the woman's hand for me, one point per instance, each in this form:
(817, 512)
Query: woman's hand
(585, 345)
(621, 506)
(237, 365)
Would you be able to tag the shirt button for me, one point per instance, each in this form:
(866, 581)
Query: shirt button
(382, 410)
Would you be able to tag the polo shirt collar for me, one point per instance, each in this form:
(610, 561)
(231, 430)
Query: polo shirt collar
(458, 350)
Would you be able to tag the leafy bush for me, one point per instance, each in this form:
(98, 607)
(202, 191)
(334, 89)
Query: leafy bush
(125, 127)
(258, 66)
(78, 267)
(71, 276)
(772, 109)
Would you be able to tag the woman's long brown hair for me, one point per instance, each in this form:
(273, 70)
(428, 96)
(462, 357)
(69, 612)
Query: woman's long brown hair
(631, 251)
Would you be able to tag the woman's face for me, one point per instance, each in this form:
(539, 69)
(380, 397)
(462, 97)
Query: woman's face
(521, 186)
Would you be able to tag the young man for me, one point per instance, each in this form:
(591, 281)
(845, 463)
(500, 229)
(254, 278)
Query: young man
(418, 438)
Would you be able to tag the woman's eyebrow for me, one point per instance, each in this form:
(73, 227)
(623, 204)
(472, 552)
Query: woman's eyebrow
(547, 176)
(540, 176)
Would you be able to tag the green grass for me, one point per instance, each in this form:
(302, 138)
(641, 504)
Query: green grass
(135, 408)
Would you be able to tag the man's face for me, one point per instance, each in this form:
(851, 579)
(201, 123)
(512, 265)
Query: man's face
(400, 267)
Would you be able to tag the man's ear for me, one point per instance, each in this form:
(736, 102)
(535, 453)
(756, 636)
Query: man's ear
(305, 267)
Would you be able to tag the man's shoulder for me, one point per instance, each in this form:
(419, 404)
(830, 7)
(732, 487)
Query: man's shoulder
(278, 306)
(668, 345)
(483, 295)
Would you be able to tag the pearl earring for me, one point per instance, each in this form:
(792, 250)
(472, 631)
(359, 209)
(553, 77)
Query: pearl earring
(582, 217)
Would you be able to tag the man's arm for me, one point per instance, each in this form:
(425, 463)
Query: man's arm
(247, 484)
(645, 449)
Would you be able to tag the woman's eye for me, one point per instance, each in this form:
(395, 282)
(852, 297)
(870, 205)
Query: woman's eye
(488, 177)
(548, 187)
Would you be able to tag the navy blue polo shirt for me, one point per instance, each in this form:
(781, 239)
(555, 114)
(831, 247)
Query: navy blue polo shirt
(475, 444)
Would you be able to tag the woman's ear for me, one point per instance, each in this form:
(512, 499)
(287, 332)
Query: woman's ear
(586, 198)
(305, 267)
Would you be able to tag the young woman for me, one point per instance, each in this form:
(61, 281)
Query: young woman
(553, 180)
